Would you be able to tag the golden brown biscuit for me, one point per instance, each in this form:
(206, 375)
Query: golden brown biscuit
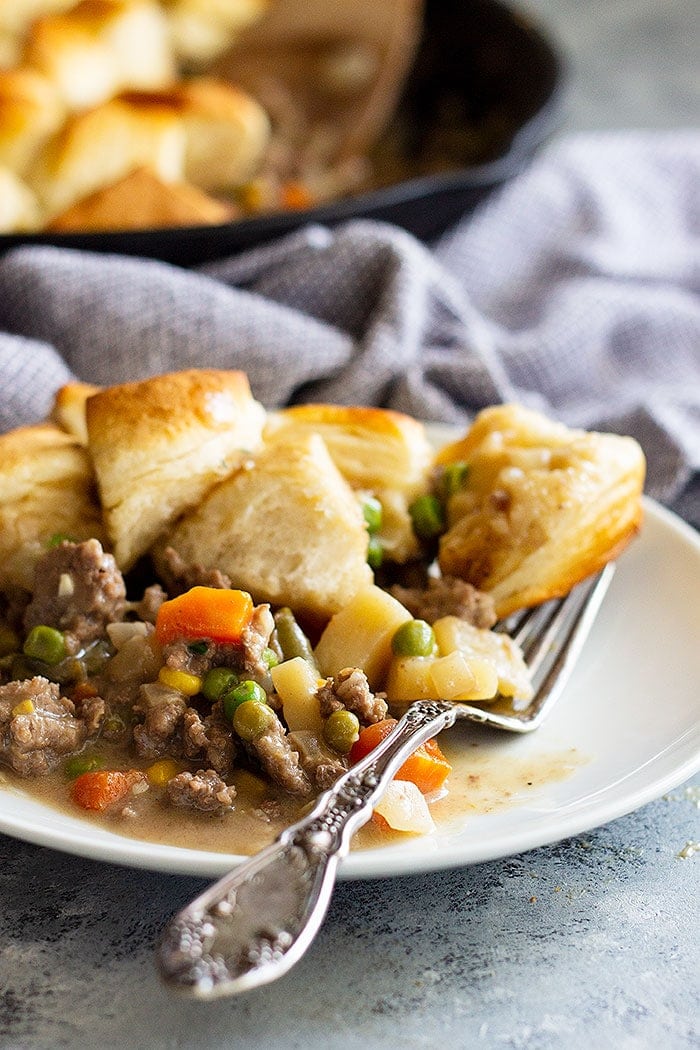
(142, 201)
(30, 112)
(377, 451)
(68, 410)
(227, 132)
(19, 208)
(203, 29)
(542, 506)
(101, 47)
(99, 147)
(158, 445)
(286, 527)
(46, 489)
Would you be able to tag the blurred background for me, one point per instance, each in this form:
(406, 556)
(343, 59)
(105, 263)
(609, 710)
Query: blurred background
(632, 63)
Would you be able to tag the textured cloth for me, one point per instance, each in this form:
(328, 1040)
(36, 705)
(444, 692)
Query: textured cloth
(574, 289)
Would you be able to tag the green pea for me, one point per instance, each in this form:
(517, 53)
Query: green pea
(427, 516)
(46, 644)
(217, 681)
(341, 729)
(246, 692)
(76, 765)
(269, 658)
(454, 478)
(58, 538)
(253, 719)
(414, 638)
(372, 512)
(375, 552)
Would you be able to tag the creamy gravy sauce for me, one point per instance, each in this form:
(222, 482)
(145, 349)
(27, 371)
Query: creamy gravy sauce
(488, 775)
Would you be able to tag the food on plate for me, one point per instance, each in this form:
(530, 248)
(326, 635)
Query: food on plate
(539, 507)
(47, 491)
(204, 621)
(276, 527)
(157, 446)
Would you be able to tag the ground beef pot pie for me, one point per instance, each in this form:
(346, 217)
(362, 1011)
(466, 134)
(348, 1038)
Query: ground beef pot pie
(208, 612)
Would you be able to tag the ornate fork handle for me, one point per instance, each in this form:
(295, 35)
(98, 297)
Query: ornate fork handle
(255, 923)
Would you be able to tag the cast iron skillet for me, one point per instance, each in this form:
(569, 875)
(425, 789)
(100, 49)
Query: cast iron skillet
(480, 60)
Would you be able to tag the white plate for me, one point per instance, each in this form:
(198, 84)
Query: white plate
(631, 712)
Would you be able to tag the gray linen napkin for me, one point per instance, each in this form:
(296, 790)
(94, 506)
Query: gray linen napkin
(575, 289)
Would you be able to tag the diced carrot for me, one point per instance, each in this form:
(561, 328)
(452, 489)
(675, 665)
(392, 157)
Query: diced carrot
(84, 691)
(427, 767)
(215, 613)
(100, 788)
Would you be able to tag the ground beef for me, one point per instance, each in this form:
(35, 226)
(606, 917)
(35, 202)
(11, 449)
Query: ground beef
(203, 790)
(447, 596)
(180, 577)
(92, 712)
(78, 589)
(256, 639)
(350, 689)
(147, 608)
(35, 742)
(160, 733)
(280, 761)
(208, 740)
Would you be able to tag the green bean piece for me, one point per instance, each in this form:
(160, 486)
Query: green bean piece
(341, 729)
(292, 640)
(414, 638)
(253, 719)
(217, 681)
(46, 644)
(454, 478)
(375, 552)
(372, 513)
(427, 516)
(76, 765)
(245, 692)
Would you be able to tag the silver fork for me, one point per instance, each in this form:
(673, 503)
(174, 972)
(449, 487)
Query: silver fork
(255, 923)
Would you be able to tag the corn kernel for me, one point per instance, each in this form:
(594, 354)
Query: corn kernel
(189, 684)
(24, 707)
(162, 771)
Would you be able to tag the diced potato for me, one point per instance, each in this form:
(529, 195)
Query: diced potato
(409, 679)
(360, 635)
(453, 634)
(451, 677)
(296, 683)
(405, 809)
(458, 676)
